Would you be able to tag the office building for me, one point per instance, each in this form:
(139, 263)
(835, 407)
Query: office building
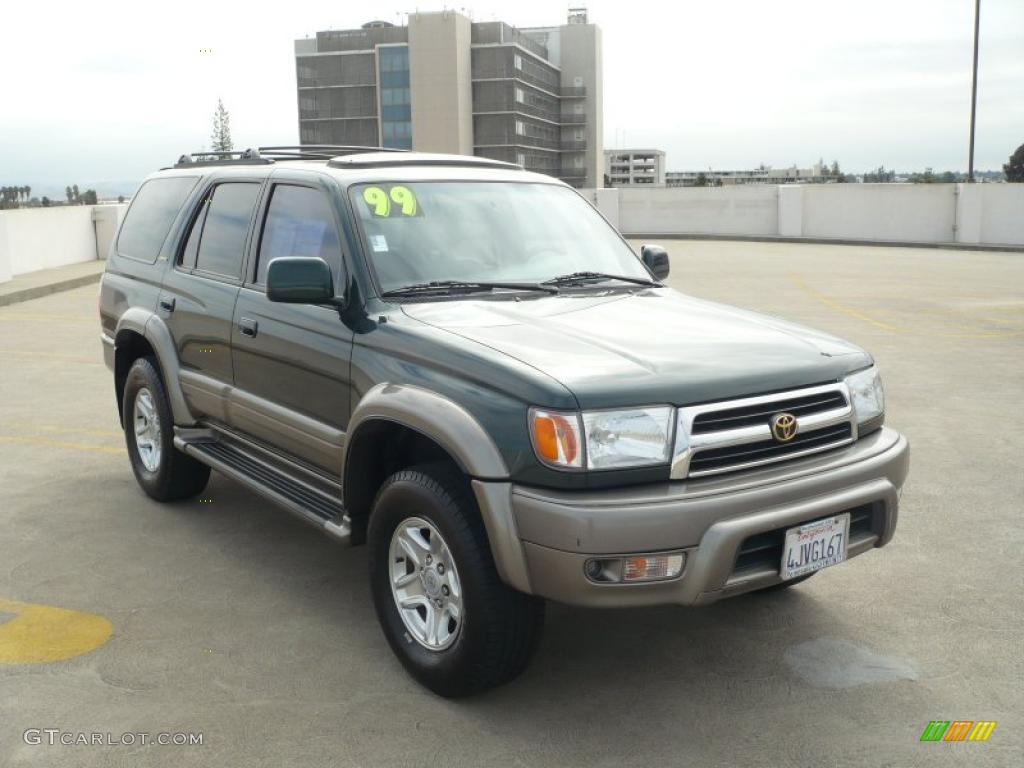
(816, 174)
(626, 167)
(444, 83)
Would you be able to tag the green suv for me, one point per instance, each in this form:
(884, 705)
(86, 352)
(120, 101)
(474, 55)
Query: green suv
(463, 366)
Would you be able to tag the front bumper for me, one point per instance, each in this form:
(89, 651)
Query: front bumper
(541, 538)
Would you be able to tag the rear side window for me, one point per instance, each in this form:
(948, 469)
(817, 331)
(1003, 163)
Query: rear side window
(222, 243)
(298, 223)
(152, 212)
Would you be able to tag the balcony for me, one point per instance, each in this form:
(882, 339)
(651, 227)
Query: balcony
(574, 118)
(573, 145)
(574, 92)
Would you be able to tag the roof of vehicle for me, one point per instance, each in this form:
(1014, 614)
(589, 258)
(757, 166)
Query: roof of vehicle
(354, 164)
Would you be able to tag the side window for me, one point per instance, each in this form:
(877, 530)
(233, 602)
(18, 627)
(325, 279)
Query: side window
(191, 250)
(222, 243)
(152, 212)
(298, 223)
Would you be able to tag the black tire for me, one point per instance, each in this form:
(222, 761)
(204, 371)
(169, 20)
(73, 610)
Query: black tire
(176, 476)
(500, 627)
(783, 584)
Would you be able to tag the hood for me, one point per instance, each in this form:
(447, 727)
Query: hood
(651, 346)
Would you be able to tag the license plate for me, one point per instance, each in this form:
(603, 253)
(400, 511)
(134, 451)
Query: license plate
(813, 546)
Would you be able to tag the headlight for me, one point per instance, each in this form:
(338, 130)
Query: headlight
(867, 394)
(636, 437)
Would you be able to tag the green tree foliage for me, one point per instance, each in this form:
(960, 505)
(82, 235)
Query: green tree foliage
(68, 193)
(220, 138)
(46, 202)
(1014, 169)
(701, 181)
(880, 176)
(89, 197)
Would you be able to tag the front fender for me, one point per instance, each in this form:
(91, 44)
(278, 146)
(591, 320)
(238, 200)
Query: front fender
(445, 422)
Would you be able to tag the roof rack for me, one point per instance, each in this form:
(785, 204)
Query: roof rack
(379, 160)
(267, 155)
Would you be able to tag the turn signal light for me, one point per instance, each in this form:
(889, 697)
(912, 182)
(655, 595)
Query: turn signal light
(638, 568)
(556, 438)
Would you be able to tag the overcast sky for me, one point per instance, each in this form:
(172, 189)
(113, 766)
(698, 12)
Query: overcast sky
(105, 91)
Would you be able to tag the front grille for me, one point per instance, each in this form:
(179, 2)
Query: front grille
(764, 451)
(764, 550)
(759, 413)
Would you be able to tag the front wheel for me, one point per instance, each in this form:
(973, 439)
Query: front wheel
(454, 625)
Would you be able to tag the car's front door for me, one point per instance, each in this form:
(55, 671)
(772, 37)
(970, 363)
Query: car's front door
(291, 361)
(197, 298)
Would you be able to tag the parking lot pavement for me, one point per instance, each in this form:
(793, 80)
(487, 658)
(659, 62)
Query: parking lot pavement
(230, 619)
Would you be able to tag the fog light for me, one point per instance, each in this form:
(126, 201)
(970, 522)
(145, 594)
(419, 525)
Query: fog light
(652, 567)
(639, 568)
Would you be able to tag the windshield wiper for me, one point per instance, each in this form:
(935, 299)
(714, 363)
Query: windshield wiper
(468, 286)
(579, 277)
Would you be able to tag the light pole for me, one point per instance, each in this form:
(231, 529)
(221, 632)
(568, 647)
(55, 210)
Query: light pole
(974, 91)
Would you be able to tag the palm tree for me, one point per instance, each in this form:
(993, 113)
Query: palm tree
(28, 192)
(67, 191)
(74, 188)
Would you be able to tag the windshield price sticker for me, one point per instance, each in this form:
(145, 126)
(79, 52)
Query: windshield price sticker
(393, 201)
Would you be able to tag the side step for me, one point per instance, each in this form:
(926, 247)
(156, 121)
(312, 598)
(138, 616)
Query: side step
(269, 479)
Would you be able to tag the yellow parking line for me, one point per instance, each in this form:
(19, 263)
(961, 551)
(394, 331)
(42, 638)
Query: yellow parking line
(24, 426)
(48, 356)
(800, 283)
(60, 444)
(41, 633)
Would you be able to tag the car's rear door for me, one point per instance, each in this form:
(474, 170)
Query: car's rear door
(291, 361)
(198, 295)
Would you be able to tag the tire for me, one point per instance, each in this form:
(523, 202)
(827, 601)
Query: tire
(498, 627)
(163, 472)
(783, 584)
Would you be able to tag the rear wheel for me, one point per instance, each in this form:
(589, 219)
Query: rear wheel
(163, 472)
(454, 625)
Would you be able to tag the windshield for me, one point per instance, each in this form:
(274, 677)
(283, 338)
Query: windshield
(420, 232)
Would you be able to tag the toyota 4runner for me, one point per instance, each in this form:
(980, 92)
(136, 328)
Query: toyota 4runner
(464, 366)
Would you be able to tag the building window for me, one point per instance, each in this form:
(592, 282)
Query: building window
(517, 61)
(520, 128)
(521, 158)
(395, 108)
(520, 96)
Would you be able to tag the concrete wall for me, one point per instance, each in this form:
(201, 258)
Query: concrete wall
(751, 210)
(907, 212)
(440, 82)
(43, 238)
(988, 214)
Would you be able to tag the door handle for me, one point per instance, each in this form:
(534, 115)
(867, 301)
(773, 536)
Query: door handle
(167, 305)
(248, 327)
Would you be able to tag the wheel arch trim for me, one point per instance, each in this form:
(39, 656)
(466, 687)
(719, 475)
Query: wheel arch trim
(434, 416)
(149, 326)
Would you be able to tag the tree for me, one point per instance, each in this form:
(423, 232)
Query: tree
(77, 197)
(67, 191)
(880, 176)
(702, 180)
(46, 202)
(28, 192)
(220, 138)
(89, 197)
(1014, 169)
(120, 198)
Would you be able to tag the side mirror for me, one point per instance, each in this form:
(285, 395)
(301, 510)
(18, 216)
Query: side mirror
(656, 259)
(300, 280)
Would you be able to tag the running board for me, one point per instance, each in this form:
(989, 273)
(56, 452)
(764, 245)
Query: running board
(300, 498)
